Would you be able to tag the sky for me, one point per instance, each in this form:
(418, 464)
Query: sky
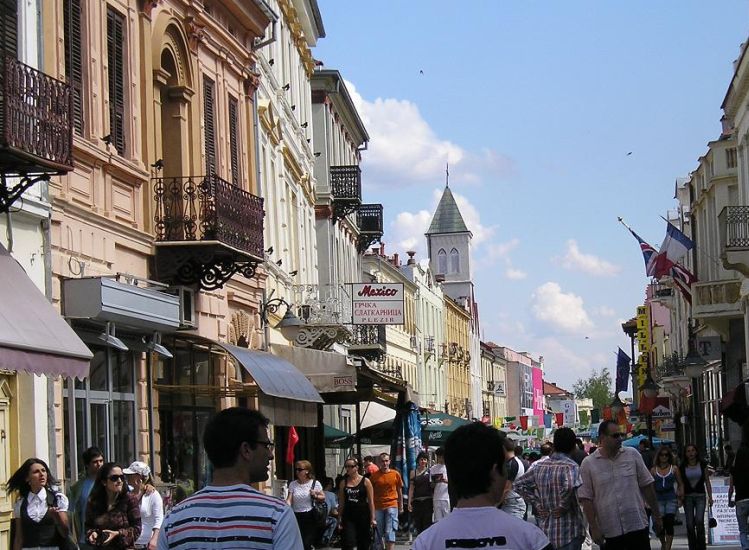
(555, 118)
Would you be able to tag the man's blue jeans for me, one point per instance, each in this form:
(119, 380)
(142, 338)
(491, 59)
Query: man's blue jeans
(387, 523)
(742, 517)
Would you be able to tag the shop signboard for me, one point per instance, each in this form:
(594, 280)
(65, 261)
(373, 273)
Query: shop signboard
(727, 530)
(377, 303)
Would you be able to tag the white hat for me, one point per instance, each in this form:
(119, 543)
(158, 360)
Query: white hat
(137, 467)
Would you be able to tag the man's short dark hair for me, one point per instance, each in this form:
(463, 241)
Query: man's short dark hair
(440, 451)
(604, 427)
(579, 443)
(90, 454)
(547, 448)
(471, 452)
(564, 440)
(518, 450)
(508, 444)
(225, 433)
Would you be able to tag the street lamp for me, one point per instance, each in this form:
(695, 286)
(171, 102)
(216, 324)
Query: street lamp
(289, 325)
(649, 388)
(693, 362)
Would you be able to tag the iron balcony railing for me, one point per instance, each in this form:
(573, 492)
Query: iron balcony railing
(208, 208)
(369, 218)
(734, 227)
(345, 183)
(368, 335)
(36, 129)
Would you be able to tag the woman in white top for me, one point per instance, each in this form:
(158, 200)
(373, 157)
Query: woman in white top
(301, 492)
(41, 514)
(151, 504)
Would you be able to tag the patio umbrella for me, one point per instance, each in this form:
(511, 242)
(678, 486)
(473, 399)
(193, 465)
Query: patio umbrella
(337, 439)
(436, 427)
(635, 441)
(406, 442)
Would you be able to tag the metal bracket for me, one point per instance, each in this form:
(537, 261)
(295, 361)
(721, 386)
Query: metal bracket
(340, 211)
(210, 271)
(9, 195)
(365, 241)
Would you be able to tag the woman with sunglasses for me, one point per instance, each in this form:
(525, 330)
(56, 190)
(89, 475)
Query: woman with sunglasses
(669, 491)
(41, 514)
(302, 491)
(697, 492)
(356, 508)
(112, 514)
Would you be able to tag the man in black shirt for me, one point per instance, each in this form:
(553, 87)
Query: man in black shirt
(739, 484)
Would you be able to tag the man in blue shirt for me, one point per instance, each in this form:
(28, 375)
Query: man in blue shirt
(93, 459)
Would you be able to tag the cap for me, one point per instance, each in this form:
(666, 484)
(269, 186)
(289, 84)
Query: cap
(138, 467)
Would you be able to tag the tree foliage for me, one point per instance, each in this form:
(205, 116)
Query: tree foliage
(597, 387)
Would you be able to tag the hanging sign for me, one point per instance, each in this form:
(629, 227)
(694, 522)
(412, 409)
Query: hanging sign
(377, 303)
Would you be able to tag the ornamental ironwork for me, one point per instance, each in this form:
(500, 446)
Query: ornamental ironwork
(368, 341)
(734, 226)
(345, 188)
(369, 221)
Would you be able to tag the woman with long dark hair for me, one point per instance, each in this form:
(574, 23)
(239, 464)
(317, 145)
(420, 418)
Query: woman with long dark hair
(112, 514)
(41, 514)
(356, 508)
(420, 502)
(669, 492)
(697, 493)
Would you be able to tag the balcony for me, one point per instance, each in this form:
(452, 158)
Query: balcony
(345, 187)
(206, 231)
(36, 130)
(369, 220)
(368, 341)
(662, 294)
(325, 310)
(733, 222)
(716, 301)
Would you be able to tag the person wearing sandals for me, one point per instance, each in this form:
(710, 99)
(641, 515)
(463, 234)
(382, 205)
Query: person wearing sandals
(697, 493)
(669, 491)
(41, 514)
(301, 492)
(356, 508)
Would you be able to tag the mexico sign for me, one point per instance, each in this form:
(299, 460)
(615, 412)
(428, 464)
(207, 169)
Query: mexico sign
(377, 303)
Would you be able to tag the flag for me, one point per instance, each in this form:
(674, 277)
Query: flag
(683, 279)
(595, 416)
(584, 418)
(293, 440)
(622, 371)
(676, 244)
(649, 254)
(547, 420)
(560, 419)
(524, 422)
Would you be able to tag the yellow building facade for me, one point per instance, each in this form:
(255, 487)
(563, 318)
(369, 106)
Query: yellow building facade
(456, 356)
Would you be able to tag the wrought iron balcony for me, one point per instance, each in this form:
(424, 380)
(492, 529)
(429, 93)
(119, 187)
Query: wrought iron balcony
(36, 130)
(733, 223)
(368, 341)
(325, 311)
(206, 230)
(345, 187)
(369, 220)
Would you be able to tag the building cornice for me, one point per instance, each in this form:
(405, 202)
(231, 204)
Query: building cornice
(297, 34)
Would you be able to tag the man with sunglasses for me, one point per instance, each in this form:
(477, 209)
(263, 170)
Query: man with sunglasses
(615, 482)
(229, 513)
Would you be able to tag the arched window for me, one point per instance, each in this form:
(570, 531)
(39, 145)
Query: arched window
(442, 262)
(454, 261)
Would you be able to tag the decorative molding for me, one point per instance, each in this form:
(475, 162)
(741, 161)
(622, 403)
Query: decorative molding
(195, 33)
(297, 36)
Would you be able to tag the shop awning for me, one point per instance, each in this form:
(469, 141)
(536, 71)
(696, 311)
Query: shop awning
(33, 335)
(274, 376)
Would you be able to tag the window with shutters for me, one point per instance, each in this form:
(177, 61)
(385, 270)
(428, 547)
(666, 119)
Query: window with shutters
(74, 58)
(234, 139)
(209, 128)
(116, 64)
(9, 26)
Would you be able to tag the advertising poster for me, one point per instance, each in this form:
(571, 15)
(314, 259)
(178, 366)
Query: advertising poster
(538, 391)
(727, 531)
(377, 303)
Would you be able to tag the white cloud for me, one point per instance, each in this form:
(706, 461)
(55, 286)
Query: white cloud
(576, 260)
(471, 216)
(515, 274)
(603, 311)
(563, 311)
(407, 231)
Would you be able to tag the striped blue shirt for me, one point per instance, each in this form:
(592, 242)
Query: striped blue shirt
(231, 517)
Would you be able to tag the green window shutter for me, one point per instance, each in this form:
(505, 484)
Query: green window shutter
(74, 58)
(209, 126)
(116, 61)
(234, 139)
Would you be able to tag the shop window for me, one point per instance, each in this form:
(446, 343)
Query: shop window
(103, 409)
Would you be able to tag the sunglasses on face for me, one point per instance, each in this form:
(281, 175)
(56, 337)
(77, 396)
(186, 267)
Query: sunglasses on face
(300, 469)
(114, 478)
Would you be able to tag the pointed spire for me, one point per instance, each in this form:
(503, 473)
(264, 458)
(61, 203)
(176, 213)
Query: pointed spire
(447, 217)
(447, 175)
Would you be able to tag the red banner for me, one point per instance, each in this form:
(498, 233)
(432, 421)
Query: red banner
(560, 419)
(524, 422)
(293, 440)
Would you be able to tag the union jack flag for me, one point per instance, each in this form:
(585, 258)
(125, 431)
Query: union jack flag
(649, 254)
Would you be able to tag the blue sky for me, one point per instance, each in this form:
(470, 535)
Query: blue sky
(536, 105)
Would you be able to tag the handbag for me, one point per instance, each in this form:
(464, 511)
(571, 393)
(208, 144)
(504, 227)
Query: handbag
(319, 509)
(711, 521)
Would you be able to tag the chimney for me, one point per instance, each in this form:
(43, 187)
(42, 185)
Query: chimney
(726, 126)
(411, 260)
(382, 248)
(396, 260)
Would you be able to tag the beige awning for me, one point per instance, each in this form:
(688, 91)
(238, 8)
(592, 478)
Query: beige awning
(33, 335)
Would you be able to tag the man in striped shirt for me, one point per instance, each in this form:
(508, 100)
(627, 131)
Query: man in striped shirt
(228, 513)
(551, 487)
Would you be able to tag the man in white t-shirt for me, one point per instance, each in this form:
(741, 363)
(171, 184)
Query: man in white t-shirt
(440, 496)
(474, 457)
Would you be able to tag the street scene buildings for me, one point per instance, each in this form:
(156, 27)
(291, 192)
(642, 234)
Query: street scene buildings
(187, 225)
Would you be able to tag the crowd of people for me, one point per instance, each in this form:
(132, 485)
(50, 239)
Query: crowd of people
(479, 492)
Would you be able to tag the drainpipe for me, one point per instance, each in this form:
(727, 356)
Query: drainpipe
(273, 16)
(47, 256)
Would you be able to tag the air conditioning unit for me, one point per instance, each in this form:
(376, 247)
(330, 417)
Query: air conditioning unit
(187, 316)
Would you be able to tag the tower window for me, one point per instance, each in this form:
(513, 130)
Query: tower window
(441, 261)
(454, 261)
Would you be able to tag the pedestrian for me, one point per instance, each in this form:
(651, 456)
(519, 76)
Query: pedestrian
(387, 487)
(669, 492)
(40, 513)
(356, 507)
(420, 503)
(475, 461)
(697, 493)
(646, 453)
(369, 466)
(523, 456)
(738, 493)
(93, 459)
(303, 491)
(331, 521)
(551, 488)
(151, 504)
(513, 503)
(112, 513)
(546, 450)
(615, 481)
(578, 453)
(440, 494)
(229, 511)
